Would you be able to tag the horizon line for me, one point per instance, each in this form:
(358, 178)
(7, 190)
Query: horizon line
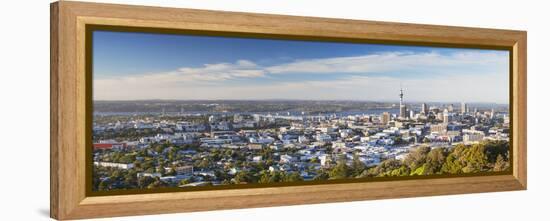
(286, 99)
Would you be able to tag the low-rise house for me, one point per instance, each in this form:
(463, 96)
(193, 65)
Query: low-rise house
(145, 174)
(287, 158)
(257, 159)
(124, 166)
(109, 146)
(323, 138)
(254, 146)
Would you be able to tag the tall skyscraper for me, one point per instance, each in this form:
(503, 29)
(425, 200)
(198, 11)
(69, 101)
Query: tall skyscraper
(425, 108)
(402, 107)
(385, 118)
(446, 116)
(464, 108)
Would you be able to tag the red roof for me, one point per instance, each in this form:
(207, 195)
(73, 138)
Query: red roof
(107, 145)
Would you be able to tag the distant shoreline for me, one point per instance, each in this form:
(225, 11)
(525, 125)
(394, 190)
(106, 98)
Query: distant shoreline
(297, 100)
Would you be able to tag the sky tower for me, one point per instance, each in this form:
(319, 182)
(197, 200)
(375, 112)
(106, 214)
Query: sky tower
(401, 96)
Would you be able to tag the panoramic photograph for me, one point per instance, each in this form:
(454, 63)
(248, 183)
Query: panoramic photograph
(183, 111)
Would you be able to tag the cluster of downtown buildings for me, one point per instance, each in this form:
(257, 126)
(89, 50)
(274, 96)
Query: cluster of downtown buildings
(302, 143)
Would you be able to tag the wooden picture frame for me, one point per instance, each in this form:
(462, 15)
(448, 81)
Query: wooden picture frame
(70, 85)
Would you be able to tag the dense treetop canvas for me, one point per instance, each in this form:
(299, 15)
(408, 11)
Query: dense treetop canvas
(184, 111)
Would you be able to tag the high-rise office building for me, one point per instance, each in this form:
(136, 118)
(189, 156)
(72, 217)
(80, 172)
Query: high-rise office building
(425, 109)
(385, 118)
(464, 108)
(402, 107)
(446, 116)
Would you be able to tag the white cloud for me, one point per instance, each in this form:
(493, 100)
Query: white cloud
(222, 71)
(471, 77)
(394, 61)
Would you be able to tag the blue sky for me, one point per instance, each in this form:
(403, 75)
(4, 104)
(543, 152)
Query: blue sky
(129, 66)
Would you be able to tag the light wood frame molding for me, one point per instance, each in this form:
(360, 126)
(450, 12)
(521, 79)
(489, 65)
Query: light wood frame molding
(68, 106)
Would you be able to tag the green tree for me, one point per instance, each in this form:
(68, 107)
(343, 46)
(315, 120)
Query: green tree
(383, 169)
(104, 185)
(314, 160)
(401, 171)
(145, 181)
(264, 176)
(357, 167)
(341, 170)
(243, 177)
(454, 162)
(434, 161)
(322, 175)
(205, 163)
(480, 157)
(293, 177)
(501, 164)
(476, 159)
(276, 176)
(417, 157)
(159, 148)
(419, 170)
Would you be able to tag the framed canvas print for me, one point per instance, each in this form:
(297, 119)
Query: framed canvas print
(161, 110)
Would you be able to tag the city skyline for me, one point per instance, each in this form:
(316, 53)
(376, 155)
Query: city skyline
(216, 68)
(328, 100)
